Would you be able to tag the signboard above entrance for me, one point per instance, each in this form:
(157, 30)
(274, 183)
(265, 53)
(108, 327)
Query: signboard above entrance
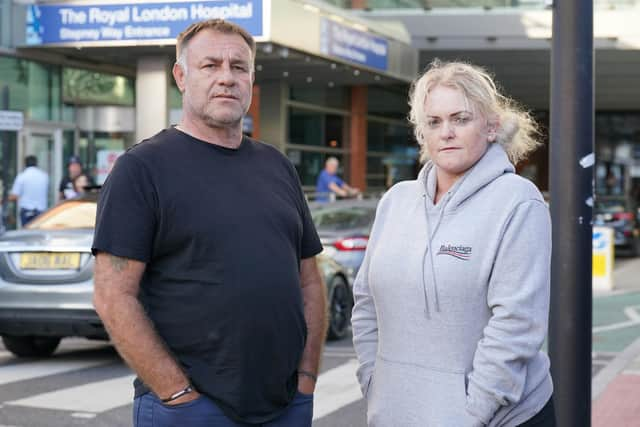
(114, 23)
(352, 45)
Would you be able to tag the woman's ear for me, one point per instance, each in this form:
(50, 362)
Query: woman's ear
(492, 128)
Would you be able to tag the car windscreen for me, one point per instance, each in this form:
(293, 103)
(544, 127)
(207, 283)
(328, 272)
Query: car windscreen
(610, 206)
(344, 218)
(67, 215)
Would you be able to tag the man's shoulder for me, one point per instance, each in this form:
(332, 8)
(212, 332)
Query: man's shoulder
(164, 144)
(268, 151)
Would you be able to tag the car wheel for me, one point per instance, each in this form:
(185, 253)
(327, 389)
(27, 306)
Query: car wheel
(340, 305)
(30, 346)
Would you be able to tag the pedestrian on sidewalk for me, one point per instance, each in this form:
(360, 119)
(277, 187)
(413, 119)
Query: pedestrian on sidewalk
(452, 299)
(30, 190)
(209, 286)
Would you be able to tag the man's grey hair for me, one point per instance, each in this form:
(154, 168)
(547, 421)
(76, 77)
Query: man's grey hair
(219, 25)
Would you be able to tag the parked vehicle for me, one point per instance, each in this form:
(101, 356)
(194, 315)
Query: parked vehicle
(46, 282)
(623, 215)
(344, 227)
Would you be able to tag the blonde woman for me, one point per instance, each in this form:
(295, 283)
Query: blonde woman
(452, 299)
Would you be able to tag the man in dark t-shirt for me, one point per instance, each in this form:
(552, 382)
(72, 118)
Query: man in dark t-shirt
(205, 272)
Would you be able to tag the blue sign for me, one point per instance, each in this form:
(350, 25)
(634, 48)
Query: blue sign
(353, 45)
(121, 22)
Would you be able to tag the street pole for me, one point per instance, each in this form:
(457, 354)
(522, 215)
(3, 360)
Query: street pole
(571, 184)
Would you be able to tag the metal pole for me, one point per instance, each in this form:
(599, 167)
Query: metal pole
(571, 185)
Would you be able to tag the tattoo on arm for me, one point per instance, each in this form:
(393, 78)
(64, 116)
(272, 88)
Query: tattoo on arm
(118, 263)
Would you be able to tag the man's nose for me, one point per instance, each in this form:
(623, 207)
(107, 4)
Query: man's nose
(225, 75)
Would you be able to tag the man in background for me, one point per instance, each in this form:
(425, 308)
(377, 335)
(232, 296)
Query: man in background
(66, 188)
(330, 185)
(30, 190)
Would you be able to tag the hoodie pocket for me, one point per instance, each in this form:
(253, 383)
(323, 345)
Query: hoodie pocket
(409, 395)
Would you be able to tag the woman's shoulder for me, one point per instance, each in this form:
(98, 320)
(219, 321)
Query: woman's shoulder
(517, 187)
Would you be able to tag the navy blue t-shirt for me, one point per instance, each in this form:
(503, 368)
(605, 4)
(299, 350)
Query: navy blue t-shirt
(222, 232)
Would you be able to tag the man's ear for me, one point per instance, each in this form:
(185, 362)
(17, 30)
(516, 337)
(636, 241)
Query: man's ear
(178, 75)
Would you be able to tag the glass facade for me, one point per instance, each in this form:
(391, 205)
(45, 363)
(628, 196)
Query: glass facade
(8, 171)
(486, 4)
(317, 127)
(31, 87)
(618, 154)
(90, 87)
(392, 152)
(5, 22)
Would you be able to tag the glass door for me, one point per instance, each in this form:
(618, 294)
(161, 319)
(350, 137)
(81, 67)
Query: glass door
(46, 145)
(8, 171)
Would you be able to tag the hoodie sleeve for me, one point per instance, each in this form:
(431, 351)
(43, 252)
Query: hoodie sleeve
(518, 296)
(364, 320)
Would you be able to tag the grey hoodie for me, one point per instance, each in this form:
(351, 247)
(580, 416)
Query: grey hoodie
(452, 300)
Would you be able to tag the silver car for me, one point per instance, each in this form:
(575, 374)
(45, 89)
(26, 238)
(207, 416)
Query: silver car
(344, 227)
(46, 282)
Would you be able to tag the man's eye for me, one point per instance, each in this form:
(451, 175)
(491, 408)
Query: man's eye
(240, 67)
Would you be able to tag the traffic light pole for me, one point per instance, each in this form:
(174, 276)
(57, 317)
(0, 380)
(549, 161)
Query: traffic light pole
(571, 184)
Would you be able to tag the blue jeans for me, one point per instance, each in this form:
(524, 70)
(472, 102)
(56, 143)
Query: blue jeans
(149, 411)
(27, 215)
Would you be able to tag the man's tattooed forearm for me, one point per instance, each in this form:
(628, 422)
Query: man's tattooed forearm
(118, 263)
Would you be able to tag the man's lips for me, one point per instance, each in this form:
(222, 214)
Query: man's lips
(449, 149)
(225, 96)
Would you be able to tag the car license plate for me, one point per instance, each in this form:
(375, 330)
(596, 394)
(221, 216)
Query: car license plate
(49, 260)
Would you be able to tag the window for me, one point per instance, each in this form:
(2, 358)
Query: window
(33, 88)
(308, 127)
(91, 87)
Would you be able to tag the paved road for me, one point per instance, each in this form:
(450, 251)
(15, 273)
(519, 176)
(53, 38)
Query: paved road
(86, 384)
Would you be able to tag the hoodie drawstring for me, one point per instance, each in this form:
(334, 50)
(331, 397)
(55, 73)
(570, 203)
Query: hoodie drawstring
(429, 250)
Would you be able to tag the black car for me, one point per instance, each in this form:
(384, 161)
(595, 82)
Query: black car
(621, 214)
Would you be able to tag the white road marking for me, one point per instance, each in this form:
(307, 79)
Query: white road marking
(631, 313)
(31, 370)
(94, 397)
(85, 415)
(337, 387)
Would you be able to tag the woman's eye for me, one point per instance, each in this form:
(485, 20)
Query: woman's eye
(462, 120)
(432, 123)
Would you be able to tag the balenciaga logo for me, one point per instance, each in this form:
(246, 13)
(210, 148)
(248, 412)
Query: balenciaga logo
(460, 252)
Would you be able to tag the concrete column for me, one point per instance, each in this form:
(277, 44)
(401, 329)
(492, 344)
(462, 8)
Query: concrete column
(152, 91)
(273, 114)
(358, 138)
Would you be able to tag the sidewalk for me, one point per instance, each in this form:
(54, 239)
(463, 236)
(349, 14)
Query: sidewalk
(616, 388)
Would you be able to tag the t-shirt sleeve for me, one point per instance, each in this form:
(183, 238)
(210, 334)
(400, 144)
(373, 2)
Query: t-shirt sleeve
(311, 245)
(127, 212)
